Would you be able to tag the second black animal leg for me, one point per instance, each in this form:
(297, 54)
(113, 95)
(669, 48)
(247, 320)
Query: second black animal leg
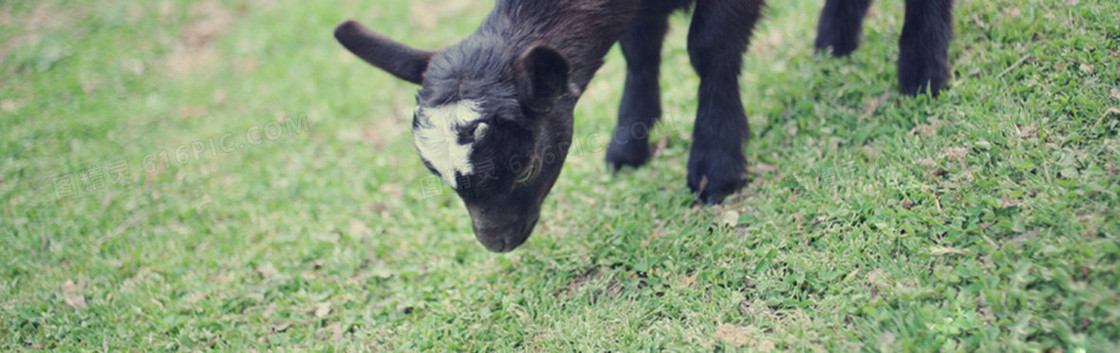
(923, 58)
(641, 97)
(717, 39)
(840, 26)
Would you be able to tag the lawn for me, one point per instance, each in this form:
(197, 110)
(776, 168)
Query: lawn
(221, 174)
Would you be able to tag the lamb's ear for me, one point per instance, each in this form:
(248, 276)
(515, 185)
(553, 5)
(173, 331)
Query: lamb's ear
(398, 59)
(542, 77)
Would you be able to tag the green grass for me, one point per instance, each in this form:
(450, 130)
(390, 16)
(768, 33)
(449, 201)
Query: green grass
(985, 219)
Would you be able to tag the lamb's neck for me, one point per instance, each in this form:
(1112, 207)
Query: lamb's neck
(583, 31)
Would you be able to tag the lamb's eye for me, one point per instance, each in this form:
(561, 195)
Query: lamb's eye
(526, 174)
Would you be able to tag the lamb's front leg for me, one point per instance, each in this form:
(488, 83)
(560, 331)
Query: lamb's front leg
(923, 59)
(641, 98)
(717, 39)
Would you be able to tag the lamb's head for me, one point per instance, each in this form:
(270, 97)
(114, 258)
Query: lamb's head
(493, 121)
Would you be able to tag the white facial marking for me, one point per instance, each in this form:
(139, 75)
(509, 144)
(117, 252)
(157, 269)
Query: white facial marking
(437, 138)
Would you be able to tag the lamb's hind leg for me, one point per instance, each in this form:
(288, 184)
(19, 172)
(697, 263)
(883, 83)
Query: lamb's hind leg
(641, 97)
(717, 39)
(840, 26)
(923, 59)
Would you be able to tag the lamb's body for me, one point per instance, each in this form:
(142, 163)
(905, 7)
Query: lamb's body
(495, 115)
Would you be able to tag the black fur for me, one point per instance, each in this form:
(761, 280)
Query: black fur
(641, 98)
(923, 55)
(840, 26)
(923, 60)
(527, 64)
(716, 41)
(398, 59)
